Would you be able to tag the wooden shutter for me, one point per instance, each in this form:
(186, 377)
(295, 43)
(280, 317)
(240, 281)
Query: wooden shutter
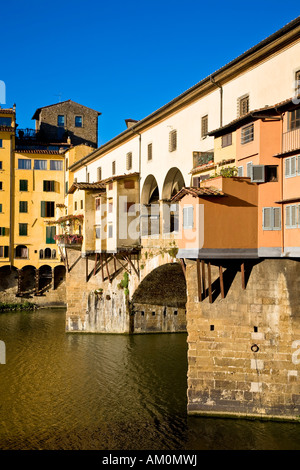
(258, 174)
(293, 166)
(240, 171)
(287, 168)
(249, 170)
(43, 209)
(188, 217)
(294, 216)
(150, 151)
(298, 158)
(276, 218)
(267, 218)
(128, 161)
(172, 141)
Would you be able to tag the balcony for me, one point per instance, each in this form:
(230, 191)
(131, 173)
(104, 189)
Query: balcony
(71, 240)
(202, 158)
(291, 140)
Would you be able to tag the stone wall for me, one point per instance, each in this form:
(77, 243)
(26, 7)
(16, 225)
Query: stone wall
(244, 349)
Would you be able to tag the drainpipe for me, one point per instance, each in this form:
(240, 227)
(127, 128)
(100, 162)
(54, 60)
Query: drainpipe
(221, 98)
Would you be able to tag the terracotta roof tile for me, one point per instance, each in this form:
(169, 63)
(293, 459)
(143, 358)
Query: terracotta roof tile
(197, 192)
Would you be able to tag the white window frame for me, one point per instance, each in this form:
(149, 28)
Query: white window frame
(240, 169)
(188, 217)
(289, 216)
(249, 166)
(250, 136)
(272, 218)
(289, 174)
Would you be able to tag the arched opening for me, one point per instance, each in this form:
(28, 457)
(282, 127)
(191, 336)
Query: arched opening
(27, 281)
(173, 183)
(45, 277)
(8, 278)
(21, 252)
(47, 253)
(160, 300)
(150, 207)
(59, 276)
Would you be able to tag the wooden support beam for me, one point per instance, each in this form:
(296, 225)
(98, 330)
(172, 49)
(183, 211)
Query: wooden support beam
(221, 282)
(37, 281)
(128, 258)
(183, 266)
(199, 281)
(243, 275)
(115, 264)
(19, 281)
(102, 261)
(107, 270)
(124, 267)
(86, 269)
(96, 258)
(209, 282)
(67, 261)
(203, 278)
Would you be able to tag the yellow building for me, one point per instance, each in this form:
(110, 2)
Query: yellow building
(7, 144)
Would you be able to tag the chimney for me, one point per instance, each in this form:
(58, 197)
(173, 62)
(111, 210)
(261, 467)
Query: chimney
(130, 122)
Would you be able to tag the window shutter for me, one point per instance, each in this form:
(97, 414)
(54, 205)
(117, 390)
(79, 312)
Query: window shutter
(188, 217)
(172, 141)
(294, 216)
(267, 218)
(240, 171)
(99, 173)
(258, 174)
(293, 166)
(287, 167)
(276, 218)
(196, 182)
(43, 209)
(150, 151)
(298, 164)
(249, 169)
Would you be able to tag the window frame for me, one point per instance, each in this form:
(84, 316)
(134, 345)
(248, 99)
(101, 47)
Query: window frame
(204, 126)
(187, 218)
(246, 138)
(58, 123)
(23, 227)
(24, 206)
(173, 140)
(272, 226)
(23, 181)
(81, 122)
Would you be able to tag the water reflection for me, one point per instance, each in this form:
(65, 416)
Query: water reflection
(88, 391)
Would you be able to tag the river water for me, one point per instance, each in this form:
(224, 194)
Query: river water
(109, 392)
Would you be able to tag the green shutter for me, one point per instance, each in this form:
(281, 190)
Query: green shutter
(43, 209)
(6, 252)
(50, 233)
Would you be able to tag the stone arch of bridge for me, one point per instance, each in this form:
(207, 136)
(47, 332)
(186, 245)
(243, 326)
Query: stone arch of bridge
(159, 301)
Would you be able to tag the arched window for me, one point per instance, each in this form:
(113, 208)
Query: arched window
(22, 251)
(41, 254)
(53, 254)
(47, 253)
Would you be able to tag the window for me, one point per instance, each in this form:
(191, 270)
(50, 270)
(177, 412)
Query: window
(294, 119)
(204, 126)
(23, 229)
(21, 251)
(48, 186)
(56, 165)
(2, 231)
(297, 83)
(271, 173)
(78, 121)
(249, 169)
(75, 206)
(88, 177)
(40, 164)
(3, 251)
(1, 185)
(81, 203)
(113, 167)
(5, 121)
(50, 234)
(1, 165)
(292, 216)
(149, 152)
(67, 187)
(110, 230)
(291, 166)
(247, 134)
(110, 207)
(23, 185)
(99, 173)
(243, 105)
(24, 164)
(188, 217)
(240, 171)
(23, 206)
(47, 208)
(1, 144)
(173, 141)
(0, 207)
(61, 120)
(271, 218)
(129, 161)
(98, 203)
(98, 231)
(226, 140)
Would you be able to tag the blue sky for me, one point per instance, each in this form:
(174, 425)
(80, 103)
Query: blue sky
(123, 58)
